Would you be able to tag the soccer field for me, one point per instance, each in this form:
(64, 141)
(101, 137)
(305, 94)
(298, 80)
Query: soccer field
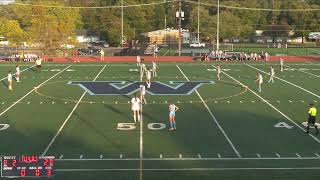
(225, 129)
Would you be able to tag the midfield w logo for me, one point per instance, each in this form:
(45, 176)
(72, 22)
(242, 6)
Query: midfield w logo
(121, 88)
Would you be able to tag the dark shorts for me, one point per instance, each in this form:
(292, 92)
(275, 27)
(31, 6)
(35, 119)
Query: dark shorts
(312, 120)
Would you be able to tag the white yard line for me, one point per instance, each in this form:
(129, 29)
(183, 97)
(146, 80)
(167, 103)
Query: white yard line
(20, 71)
(141, 146)
(69, 116)
(310, 63)
(213, 117)
(193, 169)
(284, 115)
(16, 102)
(302, 71)
(318, 96)
(197, 159)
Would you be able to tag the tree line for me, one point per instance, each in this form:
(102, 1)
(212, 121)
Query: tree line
(50, 27)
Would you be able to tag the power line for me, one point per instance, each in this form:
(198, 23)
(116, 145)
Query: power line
(93, 7)
(253, 9)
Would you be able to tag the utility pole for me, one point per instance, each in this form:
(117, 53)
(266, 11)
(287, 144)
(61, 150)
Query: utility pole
(121, 41)
(179, 26)
(218, 26)
(198, 22)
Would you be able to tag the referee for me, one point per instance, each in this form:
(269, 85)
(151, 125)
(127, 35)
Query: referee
(312, 118)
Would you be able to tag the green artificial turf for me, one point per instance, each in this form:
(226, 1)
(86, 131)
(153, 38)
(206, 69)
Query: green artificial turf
(224, 131)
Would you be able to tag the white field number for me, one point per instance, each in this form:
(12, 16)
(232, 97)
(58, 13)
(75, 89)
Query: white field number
(4, 126)
(132, 126)
(283, 125)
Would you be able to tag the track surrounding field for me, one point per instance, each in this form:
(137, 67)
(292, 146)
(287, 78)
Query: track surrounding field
(225, 129)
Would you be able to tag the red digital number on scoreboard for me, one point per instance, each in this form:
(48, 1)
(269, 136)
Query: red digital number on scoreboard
(23, 173)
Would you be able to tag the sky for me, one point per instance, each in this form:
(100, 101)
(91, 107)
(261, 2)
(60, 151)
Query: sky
(5, 1)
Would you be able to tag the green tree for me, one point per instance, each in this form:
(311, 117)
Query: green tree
(12, 31)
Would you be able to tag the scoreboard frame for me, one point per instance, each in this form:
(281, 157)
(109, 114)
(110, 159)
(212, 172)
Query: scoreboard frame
(27, 166)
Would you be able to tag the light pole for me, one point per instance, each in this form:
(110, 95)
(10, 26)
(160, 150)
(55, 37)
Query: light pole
(198, 22)
(218, 26)
(180, 16)
(121, 41)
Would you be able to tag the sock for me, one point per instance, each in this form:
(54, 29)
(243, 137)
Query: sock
(138, 117)
(174, 124)
(18, 79)
(308, 128)
(145, 101)
(316, 127)
(134, 117)
(171, 124)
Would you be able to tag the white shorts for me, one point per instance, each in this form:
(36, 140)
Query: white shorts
(135, 108)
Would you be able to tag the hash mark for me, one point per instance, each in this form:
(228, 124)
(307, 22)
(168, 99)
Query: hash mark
(81, 156)
(219, 156)
(121, 156)
(199, 156)
(61, 156)
(317, 154)
(278, 155)
(101, 156)
(298, 155)
(180, 156)
(259, 156)
(290, 101)
(160, 156)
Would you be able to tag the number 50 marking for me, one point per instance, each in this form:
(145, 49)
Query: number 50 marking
(132, 126)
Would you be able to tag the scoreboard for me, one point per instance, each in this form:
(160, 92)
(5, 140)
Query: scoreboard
(27, 166)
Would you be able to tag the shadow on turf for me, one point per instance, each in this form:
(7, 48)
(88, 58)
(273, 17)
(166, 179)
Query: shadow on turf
(4, 83)
(92, 126)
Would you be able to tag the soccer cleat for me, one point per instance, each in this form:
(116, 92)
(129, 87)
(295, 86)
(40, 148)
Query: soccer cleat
(171, 129)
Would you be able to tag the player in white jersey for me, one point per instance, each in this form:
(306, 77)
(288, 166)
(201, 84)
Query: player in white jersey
(143, 93)
(138, 61)
(148, 74)
(143, 70)
(38, 63)
(10, 81)
(18, 73)
(155, 51)
(154, 69)
(135, 107)
(218, 72)
(272, 74)
(172, 114)
(281, 64)
(259, 80)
